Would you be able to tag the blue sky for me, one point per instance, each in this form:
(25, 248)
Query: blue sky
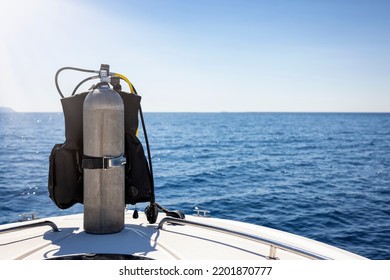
(206, 56)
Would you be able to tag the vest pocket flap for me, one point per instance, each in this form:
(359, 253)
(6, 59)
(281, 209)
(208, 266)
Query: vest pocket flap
(65, 177)
(138, 187)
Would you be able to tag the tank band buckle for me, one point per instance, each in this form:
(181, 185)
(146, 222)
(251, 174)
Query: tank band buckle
(109, 162)
(105, 162)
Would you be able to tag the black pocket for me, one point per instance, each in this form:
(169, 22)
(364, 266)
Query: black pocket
(138, 187)
(65, 177)
(52, 173)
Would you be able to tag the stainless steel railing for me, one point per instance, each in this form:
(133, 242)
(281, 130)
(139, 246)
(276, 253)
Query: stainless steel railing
(274, 245)
(32, 225)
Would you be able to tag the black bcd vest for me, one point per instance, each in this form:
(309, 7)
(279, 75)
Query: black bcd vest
(65, 182)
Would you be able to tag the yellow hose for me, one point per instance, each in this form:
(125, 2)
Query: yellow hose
(127, 81)
(131, 89)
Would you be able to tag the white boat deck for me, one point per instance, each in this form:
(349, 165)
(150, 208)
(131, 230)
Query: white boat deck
(204, 239)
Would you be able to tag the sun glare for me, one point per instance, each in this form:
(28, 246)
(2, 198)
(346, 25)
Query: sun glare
(14, 15)
(17, 18)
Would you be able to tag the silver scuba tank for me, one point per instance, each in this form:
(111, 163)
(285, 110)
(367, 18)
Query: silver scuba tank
(103, 163)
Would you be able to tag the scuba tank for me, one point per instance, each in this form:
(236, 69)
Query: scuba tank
(104, 160)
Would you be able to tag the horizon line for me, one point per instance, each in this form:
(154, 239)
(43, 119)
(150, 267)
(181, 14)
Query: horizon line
(223, 112)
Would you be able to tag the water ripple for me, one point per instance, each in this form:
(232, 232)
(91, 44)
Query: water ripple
(324, 176)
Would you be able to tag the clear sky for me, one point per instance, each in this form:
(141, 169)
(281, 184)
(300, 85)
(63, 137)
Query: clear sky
(266, 56)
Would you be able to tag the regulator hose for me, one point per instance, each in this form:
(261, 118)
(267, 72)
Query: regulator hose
(82, 82)
(131, 87)
(70, 68)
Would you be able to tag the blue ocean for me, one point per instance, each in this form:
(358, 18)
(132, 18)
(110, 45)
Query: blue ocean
(325, 176)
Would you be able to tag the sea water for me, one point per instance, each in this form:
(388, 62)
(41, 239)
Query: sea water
(325, 176)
